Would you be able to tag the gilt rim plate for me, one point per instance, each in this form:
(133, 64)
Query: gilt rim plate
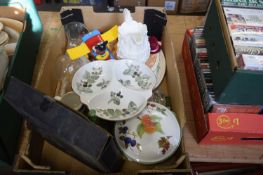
(151, 137)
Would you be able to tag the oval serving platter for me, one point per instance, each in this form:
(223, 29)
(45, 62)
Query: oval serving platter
(98, 82)
(151, 137)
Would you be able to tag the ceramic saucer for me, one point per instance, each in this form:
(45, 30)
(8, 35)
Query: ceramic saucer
(1, 26)
(3, 37)
(114, 90)
(157, 64)
(151, 137)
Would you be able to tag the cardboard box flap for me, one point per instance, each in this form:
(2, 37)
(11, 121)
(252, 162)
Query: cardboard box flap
(63, 127)
(107, 20)
(224, 28)
(218, 60)
(173, 77)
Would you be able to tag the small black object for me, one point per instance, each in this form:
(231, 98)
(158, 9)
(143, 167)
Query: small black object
(73, 15)
(155, 22)
(64, 128)
(101, 46)
(111, 3)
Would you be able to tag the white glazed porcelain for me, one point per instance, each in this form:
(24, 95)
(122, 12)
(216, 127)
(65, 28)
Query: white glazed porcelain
(3, 37)
(98, 82)
(157, 64)
(151, 137)
(133, 40)
(117, 105)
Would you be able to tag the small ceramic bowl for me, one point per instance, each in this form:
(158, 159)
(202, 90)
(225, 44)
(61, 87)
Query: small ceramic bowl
(117, 105)
(3, 37)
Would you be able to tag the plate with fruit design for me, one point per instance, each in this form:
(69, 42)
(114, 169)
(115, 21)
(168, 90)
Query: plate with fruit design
(151, 137)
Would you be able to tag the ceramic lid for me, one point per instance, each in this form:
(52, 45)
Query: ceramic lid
(151, 137)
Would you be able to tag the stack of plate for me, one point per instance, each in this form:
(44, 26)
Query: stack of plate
(118, 90)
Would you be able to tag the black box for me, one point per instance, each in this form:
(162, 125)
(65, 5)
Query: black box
(64, 128)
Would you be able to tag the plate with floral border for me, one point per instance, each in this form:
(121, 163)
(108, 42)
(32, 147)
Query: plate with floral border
(157, 64)
(151, 137)
(117, 105)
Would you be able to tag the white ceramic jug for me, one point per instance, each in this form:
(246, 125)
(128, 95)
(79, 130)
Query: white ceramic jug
(133, 41)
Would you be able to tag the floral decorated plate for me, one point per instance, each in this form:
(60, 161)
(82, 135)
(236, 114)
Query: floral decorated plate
(157, 64)
(151, 137)
(117, 105)
(110, 80)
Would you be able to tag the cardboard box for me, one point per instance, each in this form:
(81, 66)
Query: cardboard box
(170, 6)
(21, 66)
(130, 2)
(193, 6)
(232, 85)
(156, 3)
(219, 128)
(39, 152)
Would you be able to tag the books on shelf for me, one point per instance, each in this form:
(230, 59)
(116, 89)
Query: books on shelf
(251, 62)
(243, 3)
(203, 75)
(222, 123)
(246, 30)
(202, 67)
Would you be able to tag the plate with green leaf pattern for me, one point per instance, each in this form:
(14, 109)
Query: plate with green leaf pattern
(100, 84)
(117, 105)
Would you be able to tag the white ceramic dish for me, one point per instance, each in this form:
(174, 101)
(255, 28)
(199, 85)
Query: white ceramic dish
(151, 137)
(97, 83)
(3, 37)
(157, 64)
(119, 105)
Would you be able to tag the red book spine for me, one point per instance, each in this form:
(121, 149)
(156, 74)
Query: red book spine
(201, 123)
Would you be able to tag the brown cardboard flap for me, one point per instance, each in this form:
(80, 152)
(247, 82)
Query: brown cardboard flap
(226, 34)
(193, 6)
(173, 79)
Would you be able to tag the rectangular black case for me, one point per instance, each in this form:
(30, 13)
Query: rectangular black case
(64, 128)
